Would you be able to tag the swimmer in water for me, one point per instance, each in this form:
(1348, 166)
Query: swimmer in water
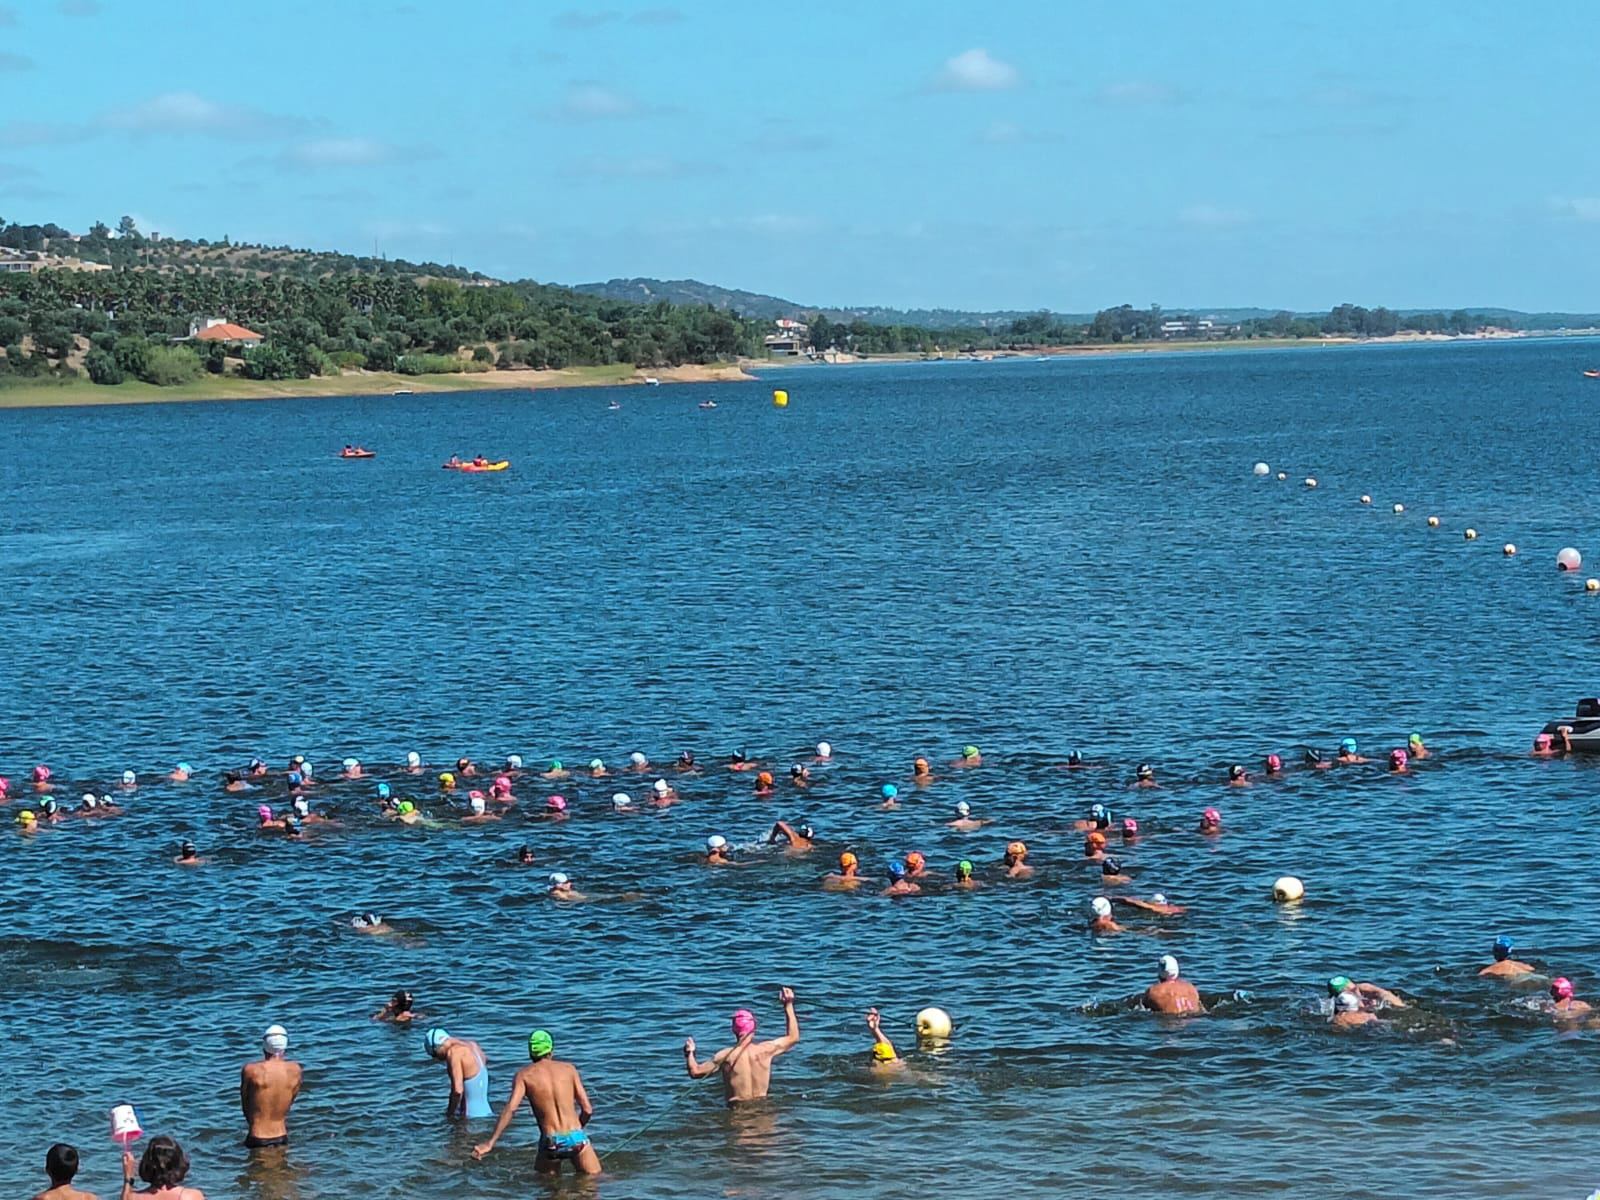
(180, 773)
(556, 771)
(969, 758)
(267, 1089)
(1075, 762)
(1563, 1007)
(1157, 904)
(1094, 846)
(739, 761)
(800, 841)
(1238, 776)
(188, 855)
(1504, 966)
(663, 793)
(622, 802)
(915, 864)
(232, 781)
(717, 852)
(556, 1097)
(921, 773)
(1100, 917)
(890, 795)
(1172, 994)
(478, 810)
(1099, 818)
(352, 768)
(1144, 776)
(406, 813)
(1347, 752)
(883, 1052)
(524, 856)
(399, 1009)
(89, 807)
(1399, 762)
(746, 1066)
(899, 885)
(764, 784)
(965, 822)
(50, 811)
(686, 762)
(130, 782)
(371, 923)
(1315, 761)
(1545, 746)
(27, 821)
(1415, 748)
(1273, 765)
(1348, 1013)
(555, 808)
(513, 765)
(1111, 873)
(465, 766)
(1210, 822)
(800, 775)
(638, 763)
(824, 753)
(1370, 995)
(561, 889)
(964, 877)
(469, 1073)
(846, 878)
(61, 1165)
(257, 768)
(500, 790)
(41, 779)
(414, 765)
(597, 768)
(1015, 860)
(1130, 831)
(447, 781)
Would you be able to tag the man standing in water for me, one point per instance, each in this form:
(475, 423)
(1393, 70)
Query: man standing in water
(1172, 994)
(746, 1065)
(267, 1089)
(554, 1091)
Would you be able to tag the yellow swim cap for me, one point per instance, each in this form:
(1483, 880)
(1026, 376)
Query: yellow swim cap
(1020, 849)
(446, 779)
(882, 1052)
(847, 859)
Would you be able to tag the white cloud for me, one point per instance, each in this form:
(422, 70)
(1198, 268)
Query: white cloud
(186, 112)
(1211, 216)
(1578, 208)
(595, 102)
(340, 152)
(976, 71)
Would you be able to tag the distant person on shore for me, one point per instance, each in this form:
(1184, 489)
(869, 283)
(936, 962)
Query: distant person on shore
(468, 1070)
(969, 758)
(164, 1166)
(845, 879)
(746, 1066)
(61, 1165)
(267, 1088)
(883, 1051)
(1172, 994)
(1504, 966)
(555, 1094)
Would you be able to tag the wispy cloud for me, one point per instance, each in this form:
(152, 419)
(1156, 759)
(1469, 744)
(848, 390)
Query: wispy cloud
(341, 152)
(15, 62)
(188, 113)
(587, 101)
(1212, 216)
(1139, 93)
(976, 70)
(1577, 208)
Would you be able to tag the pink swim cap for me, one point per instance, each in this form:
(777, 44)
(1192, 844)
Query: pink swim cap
(1274, 763)
(744, 1022)
(1211, 814)
(1561, 988)
(264, 813)
(501, 783)
(556, 803)
(1398, 757)
(1542, 740)
(1129, 825)
(41, 773)
(474, 795)
(4, 784)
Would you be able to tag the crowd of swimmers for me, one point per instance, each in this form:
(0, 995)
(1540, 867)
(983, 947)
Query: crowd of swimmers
(553, 1089)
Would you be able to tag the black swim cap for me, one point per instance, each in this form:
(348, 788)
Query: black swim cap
(402, 1001)
(1074, 759)
(1312, 758)
(1111, 867)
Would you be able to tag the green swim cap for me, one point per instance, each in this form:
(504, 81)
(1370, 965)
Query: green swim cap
(405, 806)
(969, 752)
(1415, 739)
(555, 765)
(540, 1044)
(1338, 984)
(964, 867)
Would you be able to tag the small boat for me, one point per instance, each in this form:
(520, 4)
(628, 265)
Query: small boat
(474, 467)
(1591, 374)
(402, 392)
(708, 404)
(652, 381)
(613, 406)
(358, 453)
(1583, 730)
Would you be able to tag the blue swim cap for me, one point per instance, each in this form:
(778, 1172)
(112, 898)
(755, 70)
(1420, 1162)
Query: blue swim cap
(294, 779)
(185, 768)
(1348, 745)
(1502, 947)
(383, 791)
(1097, 810)
(896, 871)
(890, 791)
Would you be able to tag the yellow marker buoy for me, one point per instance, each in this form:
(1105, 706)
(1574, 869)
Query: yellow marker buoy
(1288, 889)
(780, 398)
(933, 1023)
(1471, 534)
(1310, 482)
(1399, 508)
(1433, 522)
(1366, 499)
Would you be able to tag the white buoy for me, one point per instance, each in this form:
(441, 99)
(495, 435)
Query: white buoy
(933, 1023)
(1366, 499)
(1471, 534)
(1568, 559)
(1591, 585)
(1399, 508)
(1310, 482)
(1509, 550)
(1262, 469)
(1288, 889)
(1282, 475)
(1433, 522)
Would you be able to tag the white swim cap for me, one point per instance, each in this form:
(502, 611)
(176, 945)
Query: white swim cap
(716, 842)
(1348, 1001)
(305, 769)
(621, 800)
(1100, 906)
(1158, 898)
(478, 803)
(963, 809)
(558, 879)
(275, 1040)
(350, 764)
(824, 750)
(89, 799)
(413, 759)
(1169, 967)
(638, 759)
(596, 764)
(301, 805)
(129, 777)
(662, 787)
(514, 762)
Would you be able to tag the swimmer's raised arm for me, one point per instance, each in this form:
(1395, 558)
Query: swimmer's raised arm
(791, 1023)
(699, 1070)
(1373, 992)
(518, 1092)
(874, 1024)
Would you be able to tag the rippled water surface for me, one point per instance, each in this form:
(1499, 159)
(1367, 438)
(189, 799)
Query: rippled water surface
(1032, 557)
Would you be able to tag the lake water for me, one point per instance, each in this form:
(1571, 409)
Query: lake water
(1031, 557)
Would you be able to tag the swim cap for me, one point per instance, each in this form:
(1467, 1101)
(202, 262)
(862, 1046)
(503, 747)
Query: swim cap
(1561, 988)
(349, 764)
(540, 1045)
(41, 773)
(275, 1040)
(796, 771)
(1414, 740)
(1145, 771)
(502, 783)
(744, 1022)
(1111, 867)
(1542, 741)
(596, 765)
(556, 804)
(1347, 1002)
(661, 787)
(298, 759)
(87, 798)
(49, 806)
(889, 791)
(1074, 759)
(1211, 816)
(963, 869)
(264, 812)
(824, 750)
(513, 762)
(1274, 763)
(882, 1052)
(559, 880)
(1398, 758)
(1502, 948)
(638, 759)
(405, 807)
(4, 784)
(764, 779)
(1017, 849)
(446, 779)
(1236, 771)
(896, 871)
(1158, 898)
(1129, 825)
(847, 860)
(26, 818)
(305, 768)
(963, 809)
(1348, 745)
(302, 806)
(383, 791)
(294, 779)
(1100, 906)
(969, 752)
(915, 861)
(1169, 967)
(1095, 839)
(555, 764)
(1313, 758)
(716, 842)
(621, 800)
(477, 802)
(413, 759)
(1338, 984)
(435, 1038)
(186, 847)
(129, 777)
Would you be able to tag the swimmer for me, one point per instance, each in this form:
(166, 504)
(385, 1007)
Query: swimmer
(717, 852)
(164, 1166)
(685, 762)
(294, 783)
(447, 781)
(414, 764)
(469, 1073)
(800, 776)
(1273, 765)
(1172, 994)
(41, 779)
(61, 1165)
(1314, 760)
(188, 855)
(1415, 748)
(302, 809)
(1347, 752)
(763, 783)
(292, 829)
(180, 773)
(1210, 822)
(1348, 1013)
(556, 1097)
(1370, 995)
(621, 802)
(1238, 776)
(406, 813)
(233, 781)
(964, 877)
(899, 885)
(556, 771)
(824, 753)
(371, 923)
(1562, 1005)
(256, 769)
(385, 796)
(1399, 763)
(50, 811)
(638, 763)
(846, 879)
(1544, 746)
(90, 806)
(267, 1088)
(663, 793)
(1156, 904)
(916, 866)
(969, 758)
(739, 761)
(130, 782)
(500, 790)
(561, 889)
(965, 821)
(1094, 846)
(1144, 776)
(800, 840)
(266, 820)
(27, 821)
(1099, 818)
(1075, 762)
(746, 1066)
(352, 768)
(1504, 966)
(513, 765)
(1130, 831)
(478, 814)
(921, 773)
(465, 766)
(883, 1052)
(524, 856)
(399, 1009)
(597, 769)
(1014, 860)
(555, 808)
(1100, 917)
(890, 795)
(1111, 873)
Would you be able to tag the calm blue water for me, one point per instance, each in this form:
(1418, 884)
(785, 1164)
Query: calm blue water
(1033, 557)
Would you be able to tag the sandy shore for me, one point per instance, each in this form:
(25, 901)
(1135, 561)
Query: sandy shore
(357, 383)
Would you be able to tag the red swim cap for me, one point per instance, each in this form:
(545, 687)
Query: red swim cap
(1561, 988)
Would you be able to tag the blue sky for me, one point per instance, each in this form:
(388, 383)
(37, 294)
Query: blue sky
(975, 155)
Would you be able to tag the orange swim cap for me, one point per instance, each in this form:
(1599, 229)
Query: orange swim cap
(1020, 849)
(915, 861)
(1095, 839)
(847, 860)
(764, 779)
